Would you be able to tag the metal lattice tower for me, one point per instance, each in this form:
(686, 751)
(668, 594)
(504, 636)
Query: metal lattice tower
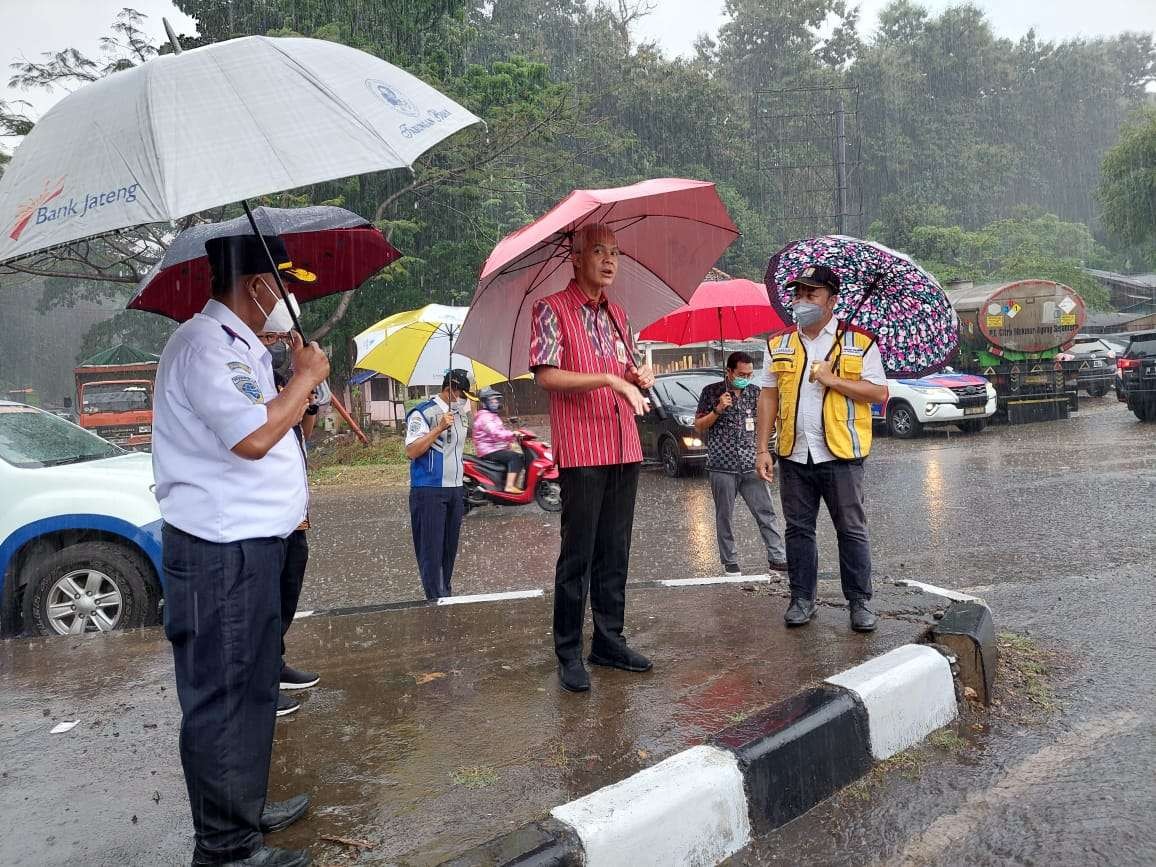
(810, 151)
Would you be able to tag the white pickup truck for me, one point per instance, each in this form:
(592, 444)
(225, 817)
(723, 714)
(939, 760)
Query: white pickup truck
(941, 398)
(80, 531)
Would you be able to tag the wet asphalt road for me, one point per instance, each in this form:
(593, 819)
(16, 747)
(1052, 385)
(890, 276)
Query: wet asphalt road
(1051, 524)
(1009, 504)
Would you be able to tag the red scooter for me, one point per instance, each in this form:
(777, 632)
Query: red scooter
(485, 481)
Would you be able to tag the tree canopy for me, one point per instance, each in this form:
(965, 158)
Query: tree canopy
(980, 153)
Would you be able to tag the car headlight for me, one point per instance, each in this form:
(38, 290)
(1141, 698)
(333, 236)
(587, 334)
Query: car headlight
(144, 428)
(931, 408)
(692, 442)
(942, 395)
(685, 420)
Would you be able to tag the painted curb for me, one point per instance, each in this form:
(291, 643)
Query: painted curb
(967, 629)
(703, 804)
(798, 752)
(908, 692)
(687, 809)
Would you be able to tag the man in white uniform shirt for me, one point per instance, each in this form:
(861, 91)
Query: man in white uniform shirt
(231, 485)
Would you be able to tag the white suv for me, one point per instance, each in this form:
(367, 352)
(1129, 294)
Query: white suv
(941, 398)
(80, 531)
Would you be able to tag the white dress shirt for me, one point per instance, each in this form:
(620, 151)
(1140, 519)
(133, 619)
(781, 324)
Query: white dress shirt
(213, 381)
(809, 437)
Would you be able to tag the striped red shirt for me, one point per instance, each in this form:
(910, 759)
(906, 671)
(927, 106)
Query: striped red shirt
(590, 428)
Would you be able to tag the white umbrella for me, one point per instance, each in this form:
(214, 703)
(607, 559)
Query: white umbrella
(210, 126)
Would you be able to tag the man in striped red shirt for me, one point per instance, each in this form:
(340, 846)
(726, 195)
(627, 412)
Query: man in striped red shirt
(582, 352)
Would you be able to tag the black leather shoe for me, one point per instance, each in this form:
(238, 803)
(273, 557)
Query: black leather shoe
(732, 569)
(623, 658)
(863, 619)
(777, 565)
(279, 815)
(572, 675)
(800, 611)
(266, 856)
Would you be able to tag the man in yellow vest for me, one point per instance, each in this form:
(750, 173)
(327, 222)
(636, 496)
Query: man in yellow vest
(820, 378)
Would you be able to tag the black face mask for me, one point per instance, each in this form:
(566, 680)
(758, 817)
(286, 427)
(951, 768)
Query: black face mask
(282, 358)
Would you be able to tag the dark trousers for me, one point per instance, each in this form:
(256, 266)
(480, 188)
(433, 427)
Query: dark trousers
(597, 519)
(515, 461)
(292, 577)
(436, 518)
(223, 617)
(840, 485)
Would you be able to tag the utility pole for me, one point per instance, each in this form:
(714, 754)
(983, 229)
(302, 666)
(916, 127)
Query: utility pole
(840, 167)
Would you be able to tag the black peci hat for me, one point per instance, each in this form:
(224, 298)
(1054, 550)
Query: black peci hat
(232, 256)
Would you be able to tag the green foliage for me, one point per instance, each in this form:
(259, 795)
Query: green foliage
(1031, 244)
(960, 129)
(1128, 183)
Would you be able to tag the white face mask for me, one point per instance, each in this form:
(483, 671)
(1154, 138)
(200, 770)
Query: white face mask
(279, 320)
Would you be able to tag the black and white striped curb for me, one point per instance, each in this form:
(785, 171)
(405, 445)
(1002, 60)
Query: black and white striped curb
(702, 805)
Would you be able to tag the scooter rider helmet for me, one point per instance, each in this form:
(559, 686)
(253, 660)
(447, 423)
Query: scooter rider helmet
(491, 399)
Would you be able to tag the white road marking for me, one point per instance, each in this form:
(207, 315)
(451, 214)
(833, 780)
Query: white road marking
(300, 614)
(948, 832)
(721, 579)
(492, 597)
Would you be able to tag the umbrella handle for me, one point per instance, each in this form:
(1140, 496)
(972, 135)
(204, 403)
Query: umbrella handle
(633, 356)
(348, 419)
(334, 401)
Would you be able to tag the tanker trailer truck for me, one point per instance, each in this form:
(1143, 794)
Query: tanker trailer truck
(1012, 333)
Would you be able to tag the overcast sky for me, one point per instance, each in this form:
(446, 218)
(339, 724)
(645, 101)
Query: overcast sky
(30, 27)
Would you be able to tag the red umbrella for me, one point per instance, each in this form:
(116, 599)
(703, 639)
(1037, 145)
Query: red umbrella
(670, 232)
(340, 247)
(719, 310)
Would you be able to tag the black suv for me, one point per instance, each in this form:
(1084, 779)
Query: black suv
(667, 431)
(1095, 363)
(1137, 368)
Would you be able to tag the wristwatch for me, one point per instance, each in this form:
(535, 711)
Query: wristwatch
(313, 409)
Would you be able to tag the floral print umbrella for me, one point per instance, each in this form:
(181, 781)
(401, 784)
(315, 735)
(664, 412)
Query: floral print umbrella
(883, 292)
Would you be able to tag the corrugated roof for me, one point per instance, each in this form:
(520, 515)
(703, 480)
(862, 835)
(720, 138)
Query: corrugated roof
(119, 355)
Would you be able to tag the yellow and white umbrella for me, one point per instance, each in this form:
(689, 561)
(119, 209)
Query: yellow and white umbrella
(415, 347)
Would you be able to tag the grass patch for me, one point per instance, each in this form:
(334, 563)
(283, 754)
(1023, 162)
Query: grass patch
(344, 460)
(475, 777)
(1025, 674)
(946, 739)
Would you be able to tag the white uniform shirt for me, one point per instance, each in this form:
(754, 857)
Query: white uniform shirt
(212, 383)
(809, 419)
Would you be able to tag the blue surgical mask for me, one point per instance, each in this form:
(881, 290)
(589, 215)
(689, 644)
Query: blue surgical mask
(741, 382)
(807, 314)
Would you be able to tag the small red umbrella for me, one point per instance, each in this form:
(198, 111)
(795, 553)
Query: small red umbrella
(719, 310)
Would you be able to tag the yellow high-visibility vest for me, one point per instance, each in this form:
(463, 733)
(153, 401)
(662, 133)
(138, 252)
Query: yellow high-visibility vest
(846, 422)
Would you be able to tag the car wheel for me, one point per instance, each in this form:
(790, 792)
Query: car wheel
(902, 422)
(1145, 410)
(548, 496)
(1098, 390)
(973, 425)
(88, 587)
(671, 460)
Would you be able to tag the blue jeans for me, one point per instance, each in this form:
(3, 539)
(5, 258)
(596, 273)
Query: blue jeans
(840, 485)
(436, 519)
